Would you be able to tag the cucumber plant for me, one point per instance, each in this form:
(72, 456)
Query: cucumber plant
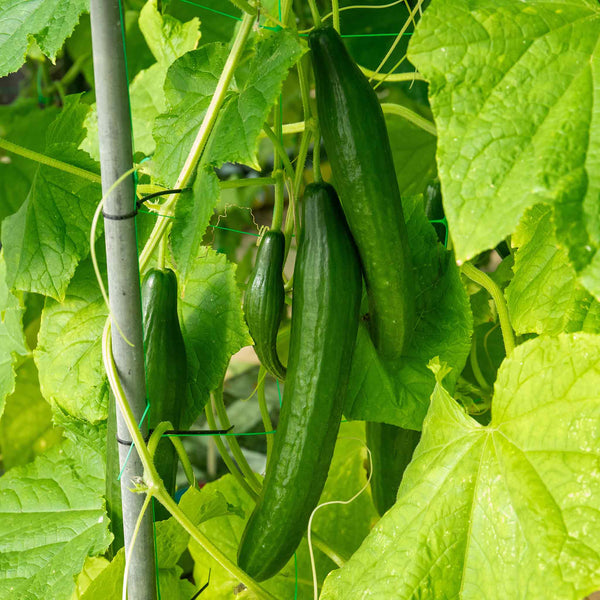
(446, 304)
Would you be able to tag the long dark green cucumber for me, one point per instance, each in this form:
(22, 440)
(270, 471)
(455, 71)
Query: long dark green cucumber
(358, 149)
(264, 301)
(325, 314)
(166, 366)
(391, 450)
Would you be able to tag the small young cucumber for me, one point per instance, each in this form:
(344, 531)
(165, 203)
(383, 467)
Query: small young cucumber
(264, 301)
(391, 450)
(166, 366)
(358, 149)
(325, 314)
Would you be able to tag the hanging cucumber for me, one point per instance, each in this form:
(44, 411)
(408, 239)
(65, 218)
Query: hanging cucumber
(166, 366)
(391, 450)
(264, 301)
(325, 314)
(358, 149)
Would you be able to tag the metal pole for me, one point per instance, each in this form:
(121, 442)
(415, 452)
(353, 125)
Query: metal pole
(114, 133)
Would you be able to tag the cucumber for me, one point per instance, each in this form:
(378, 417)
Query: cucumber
(166, 367)
(325, 315)
(265, 299)
(358, 149)
(391, 449)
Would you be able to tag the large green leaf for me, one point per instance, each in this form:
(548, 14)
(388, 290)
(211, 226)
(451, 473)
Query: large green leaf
(345, 526)
(399, 393)
(23, 123)
(544, 296)
(168, 39)
(511, 510)
(192, 216)
(47, 22)
(26, 425)
(213, 326)
(513, 86)
(52, 517)
(190, 84)
(68, 355)
(48, 236)
(12, 339)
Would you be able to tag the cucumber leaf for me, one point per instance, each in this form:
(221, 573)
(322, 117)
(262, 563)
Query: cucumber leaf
(48, 22)
(511, 510)
(168, 39)
(191, 82)
(513, 86)
(69, 351)
(49, 234)
(212, 324)
(12, 339)
(23, 123)
(26, 425)
(545, 295)
(53, 517)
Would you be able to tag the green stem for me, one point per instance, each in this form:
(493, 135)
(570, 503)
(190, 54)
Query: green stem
(399, 36)
(314, 11)
(250, 181)
(264, 409)
(317, 154)
(162, 253)
(277, 164)
(335, 7)
(476, 369)
(277, 219)
(326, 549)
(204, 132)
(409, 115)
(301, 162)
(487, 283)
(231, 466)
(155, 438)
(293, 214)
(50, 162)
(61, 92)
(286, 7)
(151, 476)
(71, 73)
(209, 547)
(155, 488)
(278, 146)
(232, 442)
(392, 77)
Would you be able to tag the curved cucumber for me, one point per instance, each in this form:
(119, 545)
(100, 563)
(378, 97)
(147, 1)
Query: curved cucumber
(358, 148)
(391, 450)
(325, 314)
(265, 299)
(166, 366)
